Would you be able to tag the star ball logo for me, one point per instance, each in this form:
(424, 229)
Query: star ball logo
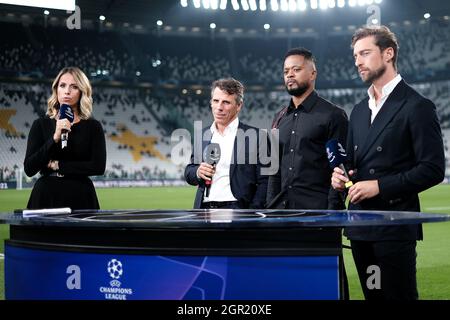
(115, 269)
(115, 292)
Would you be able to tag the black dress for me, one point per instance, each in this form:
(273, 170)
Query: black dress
(84, 156)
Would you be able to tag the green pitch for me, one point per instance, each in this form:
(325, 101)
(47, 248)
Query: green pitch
(433, 259)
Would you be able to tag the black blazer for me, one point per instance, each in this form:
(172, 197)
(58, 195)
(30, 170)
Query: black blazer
(248, 186)
(403, 150)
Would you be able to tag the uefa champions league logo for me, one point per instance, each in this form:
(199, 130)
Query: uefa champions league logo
(115, 292)
(115, 271)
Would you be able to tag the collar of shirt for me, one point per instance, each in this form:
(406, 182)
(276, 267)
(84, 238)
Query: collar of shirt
(306, 105)
(385, 92)
(231, 128)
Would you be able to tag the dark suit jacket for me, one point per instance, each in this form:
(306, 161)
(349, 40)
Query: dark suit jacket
(403, 150)
(248, 186)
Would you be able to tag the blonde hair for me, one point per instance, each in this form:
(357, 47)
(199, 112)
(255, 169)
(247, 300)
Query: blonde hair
(85, 103)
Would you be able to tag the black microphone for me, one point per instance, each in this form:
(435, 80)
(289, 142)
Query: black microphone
(211, 155)
(65, 112)
(337, 157)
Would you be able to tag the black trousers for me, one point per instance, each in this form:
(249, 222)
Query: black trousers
(396, 261)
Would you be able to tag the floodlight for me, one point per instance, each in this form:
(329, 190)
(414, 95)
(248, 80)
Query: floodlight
(68, 5)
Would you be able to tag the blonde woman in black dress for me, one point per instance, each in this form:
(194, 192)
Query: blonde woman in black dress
(64, 180)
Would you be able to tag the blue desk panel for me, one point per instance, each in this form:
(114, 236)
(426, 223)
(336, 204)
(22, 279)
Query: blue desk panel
(48, 274)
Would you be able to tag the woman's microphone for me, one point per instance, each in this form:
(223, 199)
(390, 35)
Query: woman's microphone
(65, 112)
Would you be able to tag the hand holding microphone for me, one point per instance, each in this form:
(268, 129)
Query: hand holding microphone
(340, 180)
(205, 171)
(337, 156)
(60, 126)
(63, 125)
(211, 156)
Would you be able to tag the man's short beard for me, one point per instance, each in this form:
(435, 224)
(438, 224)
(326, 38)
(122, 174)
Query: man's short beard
(299, 91)
(375, 75)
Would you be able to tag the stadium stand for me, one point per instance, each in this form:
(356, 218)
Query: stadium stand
(138, 146)
(138, 120)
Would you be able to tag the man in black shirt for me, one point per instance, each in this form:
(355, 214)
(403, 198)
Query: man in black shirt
(305, 126)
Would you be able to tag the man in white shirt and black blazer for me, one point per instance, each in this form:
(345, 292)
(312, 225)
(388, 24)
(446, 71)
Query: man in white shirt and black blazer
(395, 150)
(237, 181)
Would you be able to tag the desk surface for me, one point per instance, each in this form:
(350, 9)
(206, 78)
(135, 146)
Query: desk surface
(221, 218)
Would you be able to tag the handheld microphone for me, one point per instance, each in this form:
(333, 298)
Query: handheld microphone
(211, 155)
(337, 157)
(65, 112)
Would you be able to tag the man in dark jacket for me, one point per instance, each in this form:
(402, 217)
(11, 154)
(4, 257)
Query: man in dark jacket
(237, 180)
(395, 149)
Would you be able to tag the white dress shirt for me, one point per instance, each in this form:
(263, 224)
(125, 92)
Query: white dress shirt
(220, 186)
(385, 92)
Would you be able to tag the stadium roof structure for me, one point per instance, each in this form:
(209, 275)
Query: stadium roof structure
(172, 13)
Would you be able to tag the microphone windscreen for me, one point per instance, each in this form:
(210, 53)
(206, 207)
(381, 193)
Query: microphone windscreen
(336, 153)
(65, 112)
(211, 154)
